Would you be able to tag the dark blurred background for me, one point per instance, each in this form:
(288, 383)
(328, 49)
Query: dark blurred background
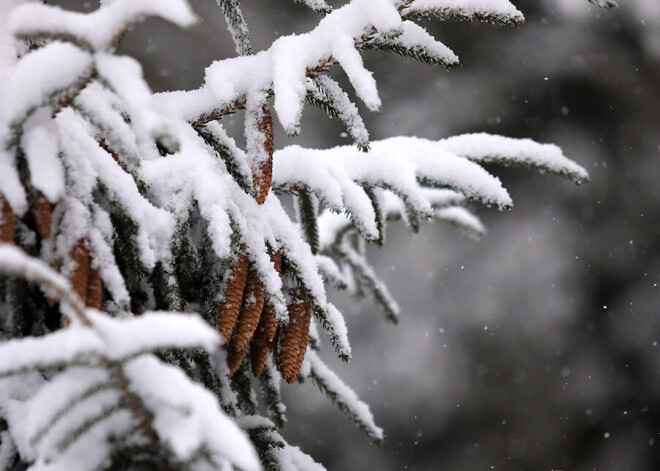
(535, 348)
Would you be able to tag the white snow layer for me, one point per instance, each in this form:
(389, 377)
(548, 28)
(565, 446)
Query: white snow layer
(41, 147)
(25, 88)
(187, 416)
(345, 394)
(284, 66)
(483, 148)
(501, 10)
(99, 28)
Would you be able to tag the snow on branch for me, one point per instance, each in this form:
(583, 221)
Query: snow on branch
(404, 179)
(402, 165)
(487, 148)
(97, 30)
(319, 6)
(605, 3)
(284, 68)
(414, 41)
(285, 65)
(326, 94)
(107, 383)
(491, 11)
(23, 91)
(15, 262)
(344, 397)
(237, 26)
(153, 206)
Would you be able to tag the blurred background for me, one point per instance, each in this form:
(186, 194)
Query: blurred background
(535, 348)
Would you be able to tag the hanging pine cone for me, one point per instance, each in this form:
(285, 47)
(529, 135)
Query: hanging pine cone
(264, 336)
(42, 211)
(304, 336)
(253, 304)
(80, 274)
(94, 289)
(263, 340)
(263, 174)
(235, 359)
(248, 320)
(7, 221)
(292, 338)
(231, 304)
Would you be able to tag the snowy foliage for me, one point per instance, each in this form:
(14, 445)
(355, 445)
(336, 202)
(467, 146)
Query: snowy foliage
(120, 202)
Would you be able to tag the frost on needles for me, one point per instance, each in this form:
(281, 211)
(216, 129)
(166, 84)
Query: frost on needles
(123, 212)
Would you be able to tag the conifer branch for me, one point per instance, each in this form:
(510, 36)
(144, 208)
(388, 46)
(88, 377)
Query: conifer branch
(307, 209)
(319, 6)
(236, 25)
(344, 398)
(269, 381)
(605, 3)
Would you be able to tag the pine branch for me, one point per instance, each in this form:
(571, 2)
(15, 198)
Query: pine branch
(98, 30)
(235, 160)
(270, 389)
(307, 210)
(344, 398)
(373, 194)
(236, 25)
(120, 351)
(413, 42)
(242, 386)
(380, 293)
(501, 12)
(326, 94)
(605, 3)
(331, 273)
(319, 6)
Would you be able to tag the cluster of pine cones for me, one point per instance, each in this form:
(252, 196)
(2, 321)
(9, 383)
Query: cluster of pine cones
(245, 320)
(245, 313)
(85, 280)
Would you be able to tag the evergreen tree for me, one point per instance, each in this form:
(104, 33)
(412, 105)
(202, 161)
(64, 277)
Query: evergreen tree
(124, 212)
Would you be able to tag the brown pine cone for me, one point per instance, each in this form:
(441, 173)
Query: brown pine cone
(276, 260)
(233, 297)
(7, 221)
(94, 289)
(234, 359)
(263, 340)
(80, 274)
(262, 176)
(264, 336)
(42, 210)
(248, 319)
(304, 336)
(291, 337)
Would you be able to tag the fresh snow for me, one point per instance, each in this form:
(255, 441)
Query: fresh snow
(99, 28)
